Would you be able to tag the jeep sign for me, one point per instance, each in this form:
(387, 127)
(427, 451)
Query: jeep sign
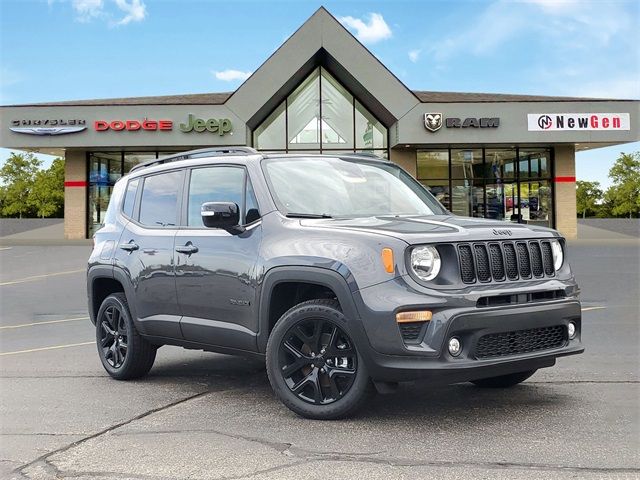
(545, 122)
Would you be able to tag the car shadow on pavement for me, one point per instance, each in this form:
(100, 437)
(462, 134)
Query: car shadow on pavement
(247, 379)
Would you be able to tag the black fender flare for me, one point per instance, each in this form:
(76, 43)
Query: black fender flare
(113, 273)
(305, 274)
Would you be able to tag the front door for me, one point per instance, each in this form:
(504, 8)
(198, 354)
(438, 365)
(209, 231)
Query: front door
(215, 270)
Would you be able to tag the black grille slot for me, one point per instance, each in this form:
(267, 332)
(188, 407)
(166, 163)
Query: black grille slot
(523, 260)
(482, 259)
(497, 263)
(547, 259)
(467, 269)
(511, 263)
(411, 331)
(521, 341)
(536, 259)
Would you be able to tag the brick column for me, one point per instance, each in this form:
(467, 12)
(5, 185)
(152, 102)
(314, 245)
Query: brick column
(565, 188)
(75, 194)
(406, 159)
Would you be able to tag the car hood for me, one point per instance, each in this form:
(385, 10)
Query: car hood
(434, 228)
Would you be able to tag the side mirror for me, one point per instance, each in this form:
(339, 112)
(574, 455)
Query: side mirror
(224, 215)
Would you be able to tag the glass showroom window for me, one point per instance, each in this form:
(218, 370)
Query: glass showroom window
(320, 115)
(105, 168)
(512, 184)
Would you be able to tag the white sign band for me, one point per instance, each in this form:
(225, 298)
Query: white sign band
(548, 122)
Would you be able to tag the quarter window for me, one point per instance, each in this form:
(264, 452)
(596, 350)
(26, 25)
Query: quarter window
(159, 204)
(130, 198)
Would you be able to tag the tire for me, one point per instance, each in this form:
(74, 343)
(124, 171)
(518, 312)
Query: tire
(126, 355)
(504, 381)
(313, 365)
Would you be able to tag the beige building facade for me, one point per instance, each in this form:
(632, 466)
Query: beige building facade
(500, 156)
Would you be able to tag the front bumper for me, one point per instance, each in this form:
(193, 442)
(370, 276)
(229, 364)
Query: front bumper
(390, 358)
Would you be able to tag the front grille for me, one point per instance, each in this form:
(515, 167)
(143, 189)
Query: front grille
(521, 341)
(499, 261)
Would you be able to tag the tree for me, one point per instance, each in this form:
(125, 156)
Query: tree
(47, 194)
(624, 194)
(17, 176)
(588, 195)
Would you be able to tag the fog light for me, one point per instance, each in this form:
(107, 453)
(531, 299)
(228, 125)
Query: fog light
(455, 347)
(571, 330)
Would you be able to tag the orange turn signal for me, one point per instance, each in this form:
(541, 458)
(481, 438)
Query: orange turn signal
(387, 260)
(419, 316)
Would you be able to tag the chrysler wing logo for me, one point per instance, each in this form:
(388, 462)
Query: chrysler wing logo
(48, 130)
(433, 121)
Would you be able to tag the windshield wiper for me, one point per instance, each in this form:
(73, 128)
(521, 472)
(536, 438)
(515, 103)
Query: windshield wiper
(308, 215)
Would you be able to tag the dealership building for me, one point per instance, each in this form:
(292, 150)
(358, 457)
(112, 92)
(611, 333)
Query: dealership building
(500, 156)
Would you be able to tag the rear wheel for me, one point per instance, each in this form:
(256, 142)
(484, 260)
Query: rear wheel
(313, 364)
(504, 381)
(123, 352)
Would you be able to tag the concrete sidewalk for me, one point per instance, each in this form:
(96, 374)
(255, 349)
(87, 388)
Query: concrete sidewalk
(50, 234)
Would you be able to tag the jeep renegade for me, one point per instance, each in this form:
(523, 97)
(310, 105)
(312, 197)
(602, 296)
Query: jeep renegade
(341, 271)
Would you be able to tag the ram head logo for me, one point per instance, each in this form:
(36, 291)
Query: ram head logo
(432, 121)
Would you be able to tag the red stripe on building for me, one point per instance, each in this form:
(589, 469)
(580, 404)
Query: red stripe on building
(565, 179)
(75, 183)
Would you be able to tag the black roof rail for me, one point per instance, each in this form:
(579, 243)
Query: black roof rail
(363, 154)
(200, 153)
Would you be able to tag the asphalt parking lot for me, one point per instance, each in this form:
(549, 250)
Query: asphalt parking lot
(202, 415)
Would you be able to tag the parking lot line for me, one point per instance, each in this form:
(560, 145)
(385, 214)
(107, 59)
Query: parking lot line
(54, 347)
(586, 309)
(38, 277)
(43, 323)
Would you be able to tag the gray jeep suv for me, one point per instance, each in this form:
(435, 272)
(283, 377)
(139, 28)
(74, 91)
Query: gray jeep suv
(341, 271)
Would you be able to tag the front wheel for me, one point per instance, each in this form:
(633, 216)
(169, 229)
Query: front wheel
(313, 364)
(123, 352)
(504, 381)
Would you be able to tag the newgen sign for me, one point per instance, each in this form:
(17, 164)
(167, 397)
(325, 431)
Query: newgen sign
(545, 122)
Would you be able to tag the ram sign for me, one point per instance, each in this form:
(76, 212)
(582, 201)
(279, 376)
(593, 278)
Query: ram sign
(546, 122)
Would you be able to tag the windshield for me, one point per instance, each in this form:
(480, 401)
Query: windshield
(339, 187)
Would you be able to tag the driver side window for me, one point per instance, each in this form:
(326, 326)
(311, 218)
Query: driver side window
(220, 184)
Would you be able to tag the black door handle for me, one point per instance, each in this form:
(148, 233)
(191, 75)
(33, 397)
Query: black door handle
(188, 249)
(129, 247)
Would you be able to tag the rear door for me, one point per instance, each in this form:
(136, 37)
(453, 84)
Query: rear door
(146, 251)
(216, 282)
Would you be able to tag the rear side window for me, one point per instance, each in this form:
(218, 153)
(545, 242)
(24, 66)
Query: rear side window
(159, 203)
(130, 198)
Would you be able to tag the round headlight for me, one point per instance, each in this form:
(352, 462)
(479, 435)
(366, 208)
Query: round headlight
(425, 262)
(558, 255)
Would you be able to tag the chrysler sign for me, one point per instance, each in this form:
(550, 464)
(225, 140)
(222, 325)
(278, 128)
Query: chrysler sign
(53, 126)
(544, 122)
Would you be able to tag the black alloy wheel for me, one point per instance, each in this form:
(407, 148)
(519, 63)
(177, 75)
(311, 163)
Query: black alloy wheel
(113, 338)
(123, 352)
(318, 361)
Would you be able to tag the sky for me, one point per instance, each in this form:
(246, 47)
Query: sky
(81, 49)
